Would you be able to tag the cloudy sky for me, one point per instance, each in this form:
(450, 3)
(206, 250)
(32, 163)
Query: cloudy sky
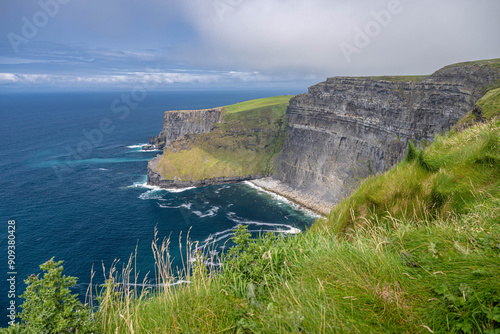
(96, 44)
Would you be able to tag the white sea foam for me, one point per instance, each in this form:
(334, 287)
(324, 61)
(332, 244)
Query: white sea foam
(103, 169)
(137, 146)
(178, 190)
(283, 200)
(185, 205)
(148, 151)
(212, 212)
(146, 186)
(151, 194)
(282, 228)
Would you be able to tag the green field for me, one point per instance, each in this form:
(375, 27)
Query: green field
(258, 103)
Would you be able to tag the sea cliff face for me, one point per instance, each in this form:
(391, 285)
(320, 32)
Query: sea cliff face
(345, 129)
(177, 123)
(221, 145)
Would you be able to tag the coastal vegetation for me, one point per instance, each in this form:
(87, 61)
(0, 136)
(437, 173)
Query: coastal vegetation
(413, 250)
(244, 144)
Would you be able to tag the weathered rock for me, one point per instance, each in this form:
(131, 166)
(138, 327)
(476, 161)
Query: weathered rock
(152, 140)
(177, 123)
(345, 129)
(148, 147)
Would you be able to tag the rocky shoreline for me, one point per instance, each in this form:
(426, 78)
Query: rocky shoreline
(302, 198)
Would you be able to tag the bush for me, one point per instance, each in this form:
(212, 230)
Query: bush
(49, 306)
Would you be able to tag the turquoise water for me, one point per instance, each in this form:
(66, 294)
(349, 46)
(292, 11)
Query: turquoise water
(81, 197)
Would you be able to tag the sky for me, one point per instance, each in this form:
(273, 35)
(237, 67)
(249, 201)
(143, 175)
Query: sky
(235, 44)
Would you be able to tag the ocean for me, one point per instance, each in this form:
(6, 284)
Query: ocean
(73, 184)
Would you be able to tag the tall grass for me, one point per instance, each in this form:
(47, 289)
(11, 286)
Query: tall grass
(415, 250)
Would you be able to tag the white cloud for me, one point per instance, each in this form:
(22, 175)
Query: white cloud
(304, 36)
(131, 78)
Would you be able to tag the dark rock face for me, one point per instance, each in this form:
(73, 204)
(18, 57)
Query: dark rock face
(148, 147)
(177, 123)
(345, 129)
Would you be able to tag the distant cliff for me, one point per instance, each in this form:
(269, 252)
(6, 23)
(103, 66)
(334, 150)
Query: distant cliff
(345, 129)
(220, 145)
(177, 123)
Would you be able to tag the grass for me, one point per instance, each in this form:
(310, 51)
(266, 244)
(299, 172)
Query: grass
(487, 108)
(243, 145)
(493, 63)
(490, 104)
(257, 103)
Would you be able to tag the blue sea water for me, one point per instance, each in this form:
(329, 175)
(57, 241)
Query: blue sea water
(72, 177)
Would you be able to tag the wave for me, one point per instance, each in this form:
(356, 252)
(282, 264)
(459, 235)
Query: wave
(283, 199)
(137, 146)
(210, 213)
(145, 185)
(289, 229)
(178, 190)
(185, 205)
(217, 237)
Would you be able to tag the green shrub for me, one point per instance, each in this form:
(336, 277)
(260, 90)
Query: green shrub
(49, 306)
(253, 262)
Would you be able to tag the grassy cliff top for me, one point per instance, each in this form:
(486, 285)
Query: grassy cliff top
(244, 144)
(495, 63)
(257, 103)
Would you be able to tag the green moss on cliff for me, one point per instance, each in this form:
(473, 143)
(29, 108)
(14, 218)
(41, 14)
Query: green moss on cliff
(244, 144)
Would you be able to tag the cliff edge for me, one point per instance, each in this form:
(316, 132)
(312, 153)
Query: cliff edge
(220, 145)
(345, 129)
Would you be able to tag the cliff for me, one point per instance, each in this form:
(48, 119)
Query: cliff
(177, 123)
(236, 143)
(345, 129)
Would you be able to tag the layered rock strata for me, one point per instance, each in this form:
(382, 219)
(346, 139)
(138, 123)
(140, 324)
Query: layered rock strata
(177, 123)
(345, 129)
